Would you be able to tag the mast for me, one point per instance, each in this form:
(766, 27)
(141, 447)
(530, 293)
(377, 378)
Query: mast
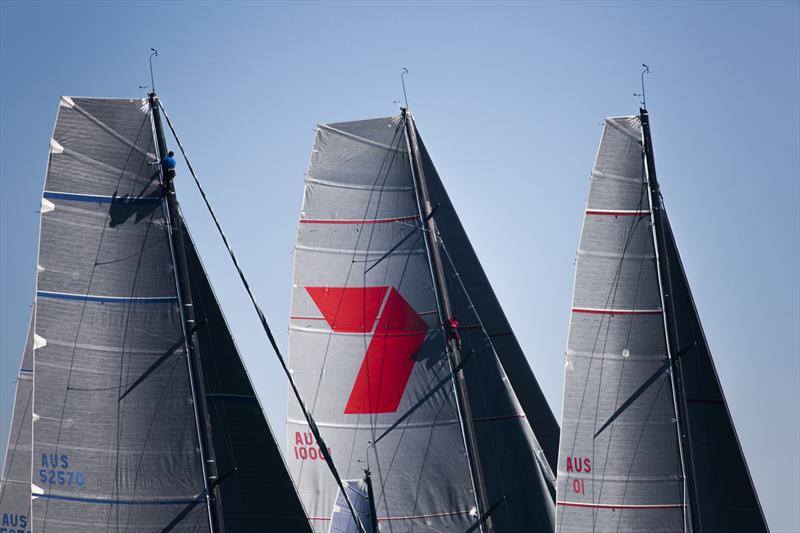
(202, 419)
(445, 317)
(674, 348)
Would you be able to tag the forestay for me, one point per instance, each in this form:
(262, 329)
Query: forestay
(115, 439)
(365, 345)
(15, 483)
(619, 464)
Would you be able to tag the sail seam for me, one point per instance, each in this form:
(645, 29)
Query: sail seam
(400, 218)
(361, 139)
(356, 186)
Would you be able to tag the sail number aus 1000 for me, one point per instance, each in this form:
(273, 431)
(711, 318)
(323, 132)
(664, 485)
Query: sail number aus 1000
(305, 447)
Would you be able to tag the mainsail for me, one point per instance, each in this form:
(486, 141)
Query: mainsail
(117, 434)
(638, 371)
(368, 350)
(15, 483)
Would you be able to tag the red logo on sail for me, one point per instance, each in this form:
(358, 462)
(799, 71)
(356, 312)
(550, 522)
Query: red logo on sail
(397, 334)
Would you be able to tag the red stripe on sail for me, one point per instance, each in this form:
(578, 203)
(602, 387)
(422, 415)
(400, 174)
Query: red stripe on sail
(621, 505)
(593, 311)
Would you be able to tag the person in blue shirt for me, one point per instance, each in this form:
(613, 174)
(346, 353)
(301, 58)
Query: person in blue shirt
(168, 164)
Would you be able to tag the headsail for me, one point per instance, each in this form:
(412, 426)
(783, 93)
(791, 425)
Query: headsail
(508, 350)
(619, 464)
(516, 445)
(115, 440)
(365, 345)
(257, 491)
(15, 483)
(724, 498)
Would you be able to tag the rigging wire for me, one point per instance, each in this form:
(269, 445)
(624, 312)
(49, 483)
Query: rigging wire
(265, 325)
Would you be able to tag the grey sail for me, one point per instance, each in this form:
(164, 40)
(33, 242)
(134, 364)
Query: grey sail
(115, 444)
(619, 465)
(717, 458)
(365, 346)
(516, 440)
(256, 489)
(15, 483)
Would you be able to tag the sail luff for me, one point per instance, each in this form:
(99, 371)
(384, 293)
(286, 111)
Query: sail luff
(175, 237)
(446, 317)
(691, 522)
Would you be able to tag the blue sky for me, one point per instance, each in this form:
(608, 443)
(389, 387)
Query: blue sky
(509, 98)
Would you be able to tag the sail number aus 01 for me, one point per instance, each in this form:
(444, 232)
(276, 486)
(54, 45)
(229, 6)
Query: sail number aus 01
(305, 447)
(579, 465)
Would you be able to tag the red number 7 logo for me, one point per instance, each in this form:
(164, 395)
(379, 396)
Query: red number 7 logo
(397, 334)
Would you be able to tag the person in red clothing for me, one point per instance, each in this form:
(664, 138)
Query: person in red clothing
(452, 331)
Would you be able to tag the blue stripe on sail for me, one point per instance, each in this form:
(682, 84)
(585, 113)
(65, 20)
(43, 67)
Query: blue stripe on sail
(26, 370)
(98, 199)
(108, 299)
(109, 501)
(232, 398)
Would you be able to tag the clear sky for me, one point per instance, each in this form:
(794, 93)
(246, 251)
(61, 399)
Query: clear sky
(509, 98)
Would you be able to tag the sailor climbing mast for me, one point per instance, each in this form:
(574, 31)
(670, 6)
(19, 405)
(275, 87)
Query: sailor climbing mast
(202, 418)
(448, 321)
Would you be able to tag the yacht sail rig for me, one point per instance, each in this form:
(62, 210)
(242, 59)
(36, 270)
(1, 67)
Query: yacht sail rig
(400, 382)
(143, 418)
(647, 441)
